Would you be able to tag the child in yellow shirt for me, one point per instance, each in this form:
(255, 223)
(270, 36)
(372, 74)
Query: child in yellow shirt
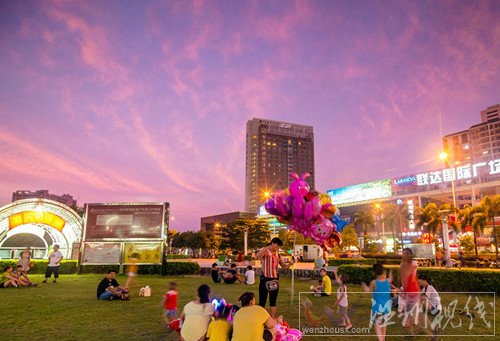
(220, 329)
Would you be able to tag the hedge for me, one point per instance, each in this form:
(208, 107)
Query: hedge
(70, 267)
(178, 257)
(459, 280)
(351, 261)
(67, 266)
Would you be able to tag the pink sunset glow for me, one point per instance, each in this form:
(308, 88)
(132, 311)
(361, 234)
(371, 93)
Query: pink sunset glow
(147, 101)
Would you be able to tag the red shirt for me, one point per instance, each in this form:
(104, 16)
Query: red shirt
(170, 300)
(269, 264)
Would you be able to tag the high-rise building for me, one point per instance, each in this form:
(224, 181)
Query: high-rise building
(480, 143)
(65, 199)
(274, 150)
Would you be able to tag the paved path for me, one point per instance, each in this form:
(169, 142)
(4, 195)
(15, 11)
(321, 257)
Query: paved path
(207, 263)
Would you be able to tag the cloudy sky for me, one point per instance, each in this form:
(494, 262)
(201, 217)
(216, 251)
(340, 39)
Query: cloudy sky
(147, 100)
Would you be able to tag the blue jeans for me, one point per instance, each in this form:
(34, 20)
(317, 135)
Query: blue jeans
(105, 296)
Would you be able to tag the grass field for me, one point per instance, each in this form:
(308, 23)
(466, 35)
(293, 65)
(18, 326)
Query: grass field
(69, 310)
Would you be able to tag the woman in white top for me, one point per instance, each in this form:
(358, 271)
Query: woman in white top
(197, 315)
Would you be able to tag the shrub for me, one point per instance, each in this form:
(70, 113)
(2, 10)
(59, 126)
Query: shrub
(39, 265)
(182, 268)
(178, 257)
(351, 261)
(458, 280)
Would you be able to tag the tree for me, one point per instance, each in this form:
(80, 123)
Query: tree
(233, 233)
(466, 243)
(396, 215)
(490, 206)
(349, 237)
(475, 218)
(364, 218)
(430, 217)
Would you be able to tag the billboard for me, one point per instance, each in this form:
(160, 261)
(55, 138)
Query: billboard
(362, 192)
(101, 253)
(123, 221)
(142, 253)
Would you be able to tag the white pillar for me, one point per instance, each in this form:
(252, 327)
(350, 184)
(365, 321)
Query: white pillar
(245, 241)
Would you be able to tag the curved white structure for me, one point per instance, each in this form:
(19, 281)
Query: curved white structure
(40, 216)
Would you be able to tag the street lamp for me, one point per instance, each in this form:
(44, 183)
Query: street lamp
(380, 218)
(444, 157)
(446, 242)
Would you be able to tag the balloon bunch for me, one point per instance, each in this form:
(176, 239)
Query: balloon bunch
(307, 212)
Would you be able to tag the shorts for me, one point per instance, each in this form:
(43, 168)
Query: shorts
(170, 313)
(379, 319)
(132, 274)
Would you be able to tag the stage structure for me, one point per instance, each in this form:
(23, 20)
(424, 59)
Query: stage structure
(124, 233)
(38, 224)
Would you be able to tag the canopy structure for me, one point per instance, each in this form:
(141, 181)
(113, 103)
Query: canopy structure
(51, 221)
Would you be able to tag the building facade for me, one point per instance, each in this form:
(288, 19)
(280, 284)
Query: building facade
(65, 199)
(215, 222)
(480, 143)
(274, 150)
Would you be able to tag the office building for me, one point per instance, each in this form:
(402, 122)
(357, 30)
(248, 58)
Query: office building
(480, 143)
(273, 151)
(65, 199)
(215, 222)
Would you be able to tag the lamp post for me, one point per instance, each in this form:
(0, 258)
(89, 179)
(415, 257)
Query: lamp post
(444, 157)
(380, 218)
(446, 242)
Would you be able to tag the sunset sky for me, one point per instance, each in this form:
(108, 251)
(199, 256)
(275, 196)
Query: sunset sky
(115, 101)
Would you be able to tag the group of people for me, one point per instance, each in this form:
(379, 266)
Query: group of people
(231, 275)
(415, 292)
(18, 276)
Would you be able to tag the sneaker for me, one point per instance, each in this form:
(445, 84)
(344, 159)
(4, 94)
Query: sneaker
(111, 298)
(54, 281)
(44, 281)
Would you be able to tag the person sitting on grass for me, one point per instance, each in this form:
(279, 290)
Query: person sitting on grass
(429, 296)
(220, 329)
(252, 322)
(231, 275)
(215, 273)
(249, 275)
(325, 287)
(23, 277)
(8, 278)
(109, 289)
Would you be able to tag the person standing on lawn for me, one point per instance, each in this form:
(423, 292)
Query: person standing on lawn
(54, 262)
(269, 285)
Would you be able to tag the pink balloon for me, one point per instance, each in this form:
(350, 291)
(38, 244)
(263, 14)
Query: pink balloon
(321, 229)
(312, 209)
(299, 187)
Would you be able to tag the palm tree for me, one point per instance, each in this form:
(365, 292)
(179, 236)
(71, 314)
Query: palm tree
(364, 218)
(475, 218)
(490, 206)
(430, 217)
(396, 215)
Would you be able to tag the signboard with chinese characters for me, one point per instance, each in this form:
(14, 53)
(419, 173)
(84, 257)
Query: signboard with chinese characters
(124, 221)
(101, 253)
(142, 253)
(463, 172)
(362, 192)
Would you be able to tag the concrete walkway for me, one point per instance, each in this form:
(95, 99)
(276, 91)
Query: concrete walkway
(207, 263)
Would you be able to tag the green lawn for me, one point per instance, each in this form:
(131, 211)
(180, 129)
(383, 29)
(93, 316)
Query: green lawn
(69, 309)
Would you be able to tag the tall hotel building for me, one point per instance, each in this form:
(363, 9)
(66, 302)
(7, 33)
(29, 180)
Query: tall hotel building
(480, 143)
(274, 150)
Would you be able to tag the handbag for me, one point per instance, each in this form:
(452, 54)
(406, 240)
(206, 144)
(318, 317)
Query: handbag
(272, 285)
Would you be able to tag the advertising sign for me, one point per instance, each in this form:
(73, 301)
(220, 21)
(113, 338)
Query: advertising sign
(464, 172)
(362, 192)
(101, 253)
(35, 217)
(142, 253)
(426, 251)
(124, 221)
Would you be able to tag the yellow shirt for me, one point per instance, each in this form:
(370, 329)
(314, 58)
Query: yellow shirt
(328, 284)
(248, 324)
(218, 330)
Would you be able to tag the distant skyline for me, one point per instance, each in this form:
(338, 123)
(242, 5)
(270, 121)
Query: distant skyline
(147, 101)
